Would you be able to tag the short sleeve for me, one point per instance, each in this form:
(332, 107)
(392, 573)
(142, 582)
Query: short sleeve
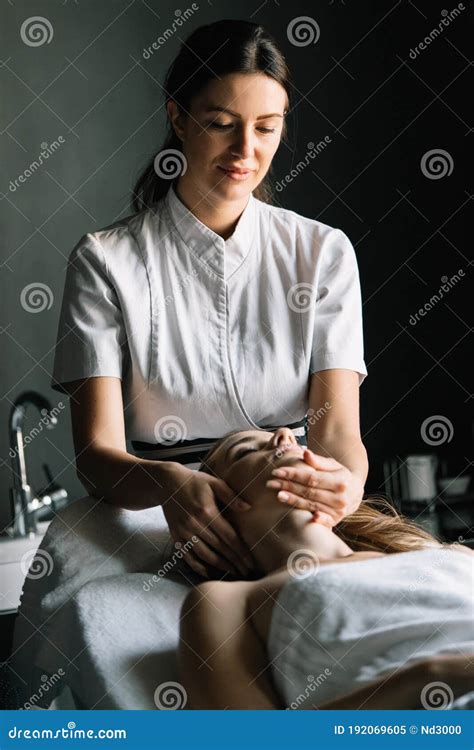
(338, 339)
(91, 338)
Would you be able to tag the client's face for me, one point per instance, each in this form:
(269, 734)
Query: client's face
(245, 461)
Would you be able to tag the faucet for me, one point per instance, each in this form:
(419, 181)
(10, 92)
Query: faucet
(24, 502)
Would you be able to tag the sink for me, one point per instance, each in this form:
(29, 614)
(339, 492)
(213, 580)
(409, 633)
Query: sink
(16, 554)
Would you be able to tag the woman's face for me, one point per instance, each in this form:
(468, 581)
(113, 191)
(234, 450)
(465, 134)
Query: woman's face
(237, 122)
(245, 461)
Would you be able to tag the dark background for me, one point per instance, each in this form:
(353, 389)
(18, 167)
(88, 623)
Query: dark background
(358, 85)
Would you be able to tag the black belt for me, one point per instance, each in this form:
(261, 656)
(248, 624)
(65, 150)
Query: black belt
(190, 451)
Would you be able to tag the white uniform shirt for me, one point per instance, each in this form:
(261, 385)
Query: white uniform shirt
(210, 335)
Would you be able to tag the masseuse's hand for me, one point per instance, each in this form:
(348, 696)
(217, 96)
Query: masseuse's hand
(325, 487)
(192, 514)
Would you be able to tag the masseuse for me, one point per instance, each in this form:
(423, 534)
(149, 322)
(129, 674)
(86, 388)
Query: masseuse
(210, 309)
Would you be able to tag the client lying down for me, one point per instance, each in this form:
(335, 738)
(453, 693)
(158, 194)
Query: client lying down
(366, 616)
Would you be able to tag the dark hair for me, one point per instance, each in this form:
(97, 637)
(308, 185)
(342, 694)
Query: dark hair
(231, 46)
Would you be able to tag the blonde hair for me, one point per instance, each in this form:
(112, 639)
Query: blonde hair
(375, 526)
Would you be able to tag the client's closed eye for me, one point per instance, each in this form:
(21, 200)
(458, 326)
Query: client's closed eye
(243, 453)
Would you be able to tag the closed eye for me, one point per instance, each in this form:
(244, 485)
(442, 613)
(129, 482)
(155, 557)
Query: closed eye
(243, 453)
(222, 126)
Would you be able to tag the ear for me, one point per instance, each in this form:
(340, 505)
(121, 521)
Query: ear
(175, 117)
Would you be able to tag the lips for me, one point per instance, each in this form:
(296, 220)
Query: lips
(234, 173)
(238, 170)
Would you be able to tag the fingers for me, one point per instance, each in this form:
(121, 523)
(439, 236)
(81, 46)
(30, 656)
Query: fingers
(234, 564)
(304, 476)
(228, 496)
(325, 502)
(234, 544)
(325, 463)
(196, 565)
(296, 501)
(208, 556)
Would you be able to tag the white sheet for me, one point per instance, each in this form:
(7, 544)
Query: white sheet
(97, 614)
(345, 625)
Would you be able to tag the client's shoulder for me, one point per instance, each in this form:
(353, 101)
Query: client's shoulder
(459, 548)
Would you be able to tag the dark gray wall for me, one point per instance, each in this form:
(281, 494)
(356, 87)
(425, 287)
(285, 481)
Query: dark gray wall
(382, 109)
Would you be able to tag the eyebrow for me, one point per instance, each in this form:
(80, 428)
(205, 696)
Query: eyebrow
(213, 108)
(238, 442)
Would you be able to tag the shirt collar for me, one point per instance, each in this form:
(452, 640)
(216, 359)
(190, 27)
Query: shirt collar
(224, 256)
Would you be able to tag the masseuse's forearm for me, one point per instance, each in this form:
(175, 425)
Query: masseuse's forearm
(348, 449)
(126, 481)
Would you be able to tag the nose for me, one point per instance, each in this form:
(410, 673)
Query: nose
(281, 436)
(243, 146)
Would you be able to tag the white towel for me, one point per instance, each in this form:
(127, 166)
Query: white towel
(96, 613)
(345, 625)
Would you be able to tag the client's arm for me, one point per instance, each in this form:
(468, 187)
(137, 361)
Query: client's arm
(224, 664)
(401, 689)
(222, 660)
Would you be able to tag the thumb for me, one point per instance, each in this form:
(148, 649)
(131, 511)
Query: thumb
(323, 463)
(227, 496)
